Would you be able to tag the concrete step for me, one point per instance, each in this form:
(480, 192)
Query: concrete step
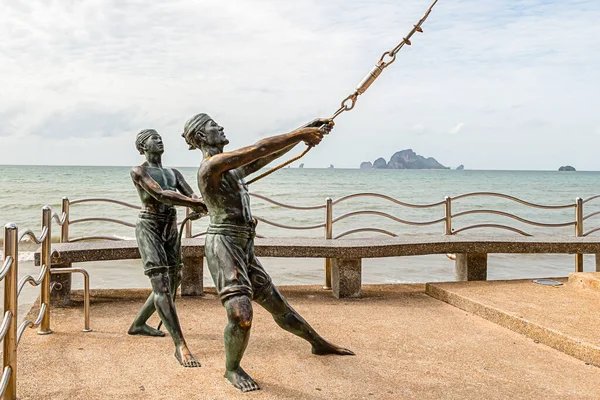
(585, 280)
(562, 317)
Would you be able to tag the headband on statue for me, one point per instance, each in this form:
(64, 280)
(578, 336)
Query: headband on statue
(192, 126)
(142, 137)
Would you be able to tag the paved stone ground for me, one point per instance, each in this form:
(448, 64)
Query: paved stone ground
(408, 345)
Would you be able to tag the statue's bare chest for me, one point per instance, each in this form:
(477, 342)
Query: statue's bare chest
(164, 177)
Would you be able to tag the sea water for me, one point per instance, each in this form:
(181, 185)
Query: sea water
(26, 189)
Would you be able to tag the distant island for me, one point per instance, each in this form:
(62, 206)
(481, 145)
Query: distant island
(404, 159)
(301, 165)
(567, 168)
(460, 167)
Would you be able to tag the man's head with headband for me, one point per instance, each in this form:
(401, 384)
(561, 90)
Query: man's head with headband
(142, 137)
(202, 129)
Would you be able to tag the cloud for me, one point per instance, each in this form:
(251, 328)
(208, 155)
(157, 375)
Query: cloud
(419, 129)
(457, 128)
(10, 118)
(102, 68)
(87, 121)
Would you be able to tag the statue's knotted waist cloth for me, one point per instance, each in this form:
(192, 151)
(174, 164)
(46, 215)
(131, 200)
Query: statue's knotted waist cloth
(234, 268)
(156, 235)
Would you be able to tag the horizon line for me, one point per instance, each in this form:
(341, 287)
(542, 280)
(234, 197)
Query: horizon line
(266, 169)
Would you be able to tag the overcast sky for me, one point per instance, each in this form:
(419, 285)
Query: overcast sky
(492, 84)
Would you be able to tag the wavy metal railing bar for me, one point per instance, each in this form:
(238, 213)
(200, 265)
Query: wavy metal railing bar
(8, 262)
(591, 231)
(29, 233)
(105, 200)
(591, 198)
(509, 228)
(31, 280)
(590, 215)
(515, 217)
(5, 324)
(113, 220)
(6, 374)
(377, 230)
(59, 220)
(204, 234)
(31, 324)
(306, 227)
(516, 199)
(382, 214)
(102, 219)
(382, 196)
(287, 205)
(83, 238)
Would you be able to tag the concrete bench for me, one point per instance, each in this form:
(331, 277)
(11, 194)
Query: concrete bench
(346, 254)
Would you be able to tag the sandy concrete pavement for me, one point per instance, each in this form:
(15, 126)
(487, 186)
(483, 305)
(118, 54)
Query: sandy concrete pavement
(408, 345)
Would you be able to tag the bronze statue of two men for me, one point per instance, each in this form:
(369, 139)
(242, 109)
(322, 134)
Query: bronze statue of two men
(229, 248)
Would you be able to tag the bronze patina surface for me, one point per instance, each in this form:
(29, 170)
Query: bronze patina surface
(238, 275)
(160, 189)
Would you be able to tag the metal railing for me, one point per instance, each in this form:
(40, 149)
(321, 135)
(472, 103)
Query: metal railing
(66, 206)
(11, 331)
(447, 217)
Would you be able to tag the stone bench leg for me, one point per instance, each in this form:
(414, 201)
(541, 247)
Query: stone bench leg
(346, 277)
(192, 276)
(597, 262)
(61, 294)
(471, 267)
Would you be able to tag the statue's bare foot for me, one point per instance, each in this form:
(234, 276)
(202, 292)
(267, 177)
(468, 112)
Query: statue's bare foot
(241, 380)
(327, 348)
(145, 330)
(185, 357)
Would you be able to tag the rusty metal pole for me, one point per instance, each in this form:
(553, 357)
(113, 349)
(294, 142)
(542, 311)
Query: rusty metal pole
(64, 229)
(448, 215)
(47, 261)
(579, 231)
(9, 345)
(328, 235)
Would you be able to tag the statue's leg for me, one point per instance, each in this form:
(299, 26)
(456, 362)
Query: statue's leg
(237, 333)
(287, 318)
(163, 301)
(152, 255)
(139, 325)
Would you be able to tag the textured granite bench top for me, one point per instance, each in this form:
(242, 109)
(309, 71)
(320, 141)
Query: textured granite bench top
(343, 248)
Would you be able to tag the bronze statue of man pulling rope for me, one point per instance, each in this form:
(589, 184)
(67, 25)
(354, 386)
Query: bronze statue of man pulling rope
(229, 248)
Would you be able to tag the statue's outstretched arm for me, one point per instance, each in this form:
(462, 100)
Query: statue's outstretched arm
(263, 162)
(252, 158)
(219, 163)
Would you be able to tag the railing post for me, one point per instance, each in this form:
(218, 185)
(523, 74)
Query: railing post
(61, 296)
(188, 224)
(448, 215)
(47, 261)
(328, 235)
(64, 229)
(579, 231)
(9, 346)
